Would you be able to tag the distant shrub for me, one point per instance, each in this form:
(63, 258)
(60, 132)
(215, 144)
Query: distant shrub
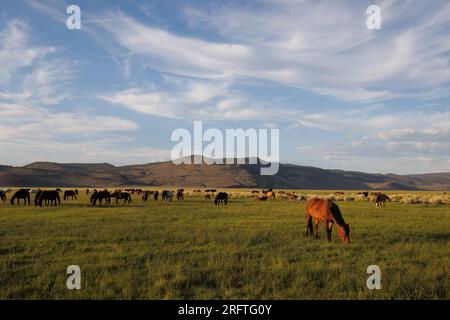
(360, 197)
(410, 199)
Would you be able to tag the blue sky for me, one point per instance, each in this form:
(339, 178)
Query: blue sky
(343, 96)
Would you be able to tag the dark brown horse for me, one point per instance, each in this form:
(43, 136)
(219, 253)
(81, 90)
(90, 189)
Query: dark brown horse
(180, 195)
(167, 195)
(100, 196)
(125, 196)
(145, 195)
(21, 194)
(156, 195)
(326, 211)
(70, 193)
(381, 199)
(50, 197)
(2, 196)
(221, 198)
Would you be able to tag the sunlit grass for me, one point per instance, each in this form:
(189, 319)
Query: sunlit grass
(248, 250)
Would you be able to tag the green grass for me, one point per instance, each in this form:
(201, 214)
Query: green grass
(248, 250)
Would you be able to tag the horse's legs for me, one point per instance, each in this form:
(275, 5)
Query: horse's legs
(316, 229)
(309, 226)
(329, 228)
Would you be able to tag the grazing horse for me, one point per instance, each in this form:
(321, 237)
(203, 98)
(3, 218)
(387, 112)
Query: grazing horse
(156, 195)
(125, 196)
(145, 195)
(3, 196)
(381, 199)
(50, 197)
(326, 211)
(21, 194)
(36, 198)
(167, 195)
(70, 193)
(269, 193)
(100, 196)
(338, 194)
(262, 198)
(221, 198)
(180, 195)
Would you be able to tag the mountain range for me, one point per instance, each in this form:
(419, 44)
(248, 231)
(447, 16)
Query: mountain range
(50, 174)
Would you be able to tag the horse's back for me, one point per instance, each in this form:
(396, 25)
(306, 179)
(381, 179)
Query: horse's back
(320, 209)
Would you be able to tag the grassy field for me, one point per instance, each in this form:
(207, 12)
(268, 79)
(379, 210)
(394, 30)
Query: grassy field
(248, 250)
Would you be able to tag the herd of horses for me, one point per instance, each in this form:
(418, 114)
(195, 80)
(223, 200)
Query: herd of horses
(318, 210)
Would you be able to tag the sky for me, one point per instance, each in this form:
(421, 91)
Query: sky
(342, 96)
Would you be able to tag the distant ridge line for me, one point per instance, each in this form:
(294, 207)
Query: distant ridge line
(166, 173)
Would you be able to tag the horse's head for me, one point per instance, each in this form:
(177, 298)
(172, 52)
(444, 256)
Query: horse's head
(344, 233)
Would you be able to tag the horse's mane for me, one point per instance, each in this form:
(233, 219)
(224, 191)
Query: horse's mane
(337, 214)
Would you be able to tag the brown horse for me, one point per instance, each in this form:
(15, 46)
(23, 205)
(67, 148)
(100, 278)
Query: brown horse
(125, 196)
(269, 193)
(326, 211)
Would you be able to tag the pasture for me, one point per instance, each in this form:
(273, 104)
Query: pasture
(247, 250)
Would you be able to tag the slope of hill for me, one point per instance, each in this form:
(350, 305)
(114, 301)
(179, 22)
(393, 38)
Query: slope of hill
(47, 174)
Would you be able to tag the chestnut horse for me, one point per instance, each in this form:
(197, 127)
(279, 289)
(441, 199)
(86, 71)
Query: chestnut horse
(326, 211)
(269, 193)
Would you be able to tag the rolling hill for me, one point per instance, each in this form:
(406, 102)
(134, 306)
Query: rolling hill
(49, 174)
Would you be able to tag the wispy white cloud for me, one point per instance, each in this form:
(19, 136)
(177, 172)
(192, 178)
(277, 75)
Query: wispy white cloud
(15, 51)
(30, 73)
(319, 46)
